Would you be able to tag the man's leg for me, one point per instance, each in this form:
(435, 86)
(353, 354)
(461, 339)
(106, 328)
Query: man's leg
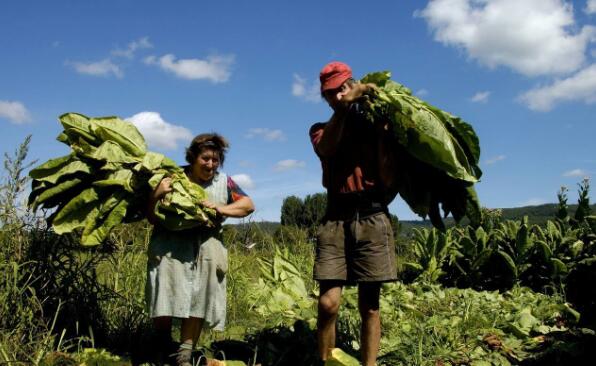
(370, 331)
(329, 300)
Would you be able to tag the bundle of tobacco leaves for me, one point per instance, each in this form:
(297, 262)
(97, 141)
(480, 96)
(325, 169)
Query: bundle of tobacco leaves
(106, 180)
(437, 153)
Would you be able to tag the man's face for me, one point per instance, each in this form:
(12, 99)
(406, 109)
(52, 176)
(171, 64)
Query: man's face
(334, 96)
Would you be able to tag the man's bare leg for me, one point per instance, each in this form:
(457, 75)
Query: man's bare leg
(329, 300)
(370, 331)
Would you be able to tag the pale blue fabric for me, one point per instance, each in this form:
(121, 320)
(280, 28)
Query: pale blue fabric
(186, 270)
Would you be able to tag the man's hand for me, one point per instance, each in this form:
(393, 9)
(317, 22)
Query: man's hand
(355, 92)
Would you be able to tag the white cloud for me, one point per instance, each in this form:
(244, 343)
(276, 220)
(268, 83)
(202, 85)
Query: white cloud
(495, 159)
(159, 133)
(129, 52)
(590, 7)
(576, 173)
(266, 133)
(214, 68)
(422, 93)
(534, 202)
(100, 68)
(581, 86)
(14, 112)
(288, 164)
(244, 181)
(480, 97)
(533, 37)
(302, 89)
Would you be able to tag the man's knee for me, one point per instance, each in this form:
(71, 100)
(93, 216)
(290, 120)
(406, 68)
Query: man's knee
(369, 313)
(329, 305)
(368, 300)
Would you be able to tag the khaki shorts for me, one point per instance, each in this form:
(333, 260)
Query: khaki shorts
(359, 250)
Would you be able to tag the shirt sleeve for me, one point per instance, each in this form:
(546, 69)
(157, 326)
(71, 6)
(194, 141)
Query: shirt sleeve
(234, 191)
(316, 133)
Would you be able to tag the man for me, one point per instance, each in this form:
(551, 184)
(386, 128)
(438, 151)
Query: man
(355, 243)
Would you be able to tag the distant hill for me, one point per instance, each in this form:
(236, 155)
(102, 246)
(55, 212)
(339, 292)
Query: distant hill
(536, 215)
(268, 227)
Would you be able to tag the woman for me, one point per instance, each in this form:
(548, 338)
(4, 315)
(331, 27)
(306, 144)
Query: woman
(186, 270)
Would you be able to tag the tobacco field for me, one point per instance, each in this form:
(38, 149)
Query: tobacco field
(508, 292)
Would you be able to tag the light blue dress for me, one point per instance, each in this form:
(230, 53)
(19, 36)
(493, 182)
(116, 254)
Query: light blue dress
(186, 270)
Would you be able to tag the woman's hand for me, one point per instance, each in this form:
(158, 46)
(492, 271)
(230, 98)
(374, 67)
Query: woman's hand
(164, 187)
(211, 205)
(158, 193)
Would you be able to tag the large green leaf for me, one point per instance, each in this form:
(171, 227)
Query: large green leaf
(50, 194)
(338, 357)
(154, 162)
(123, 133)
(544, 249)
(62, 137)
(559, 267)
(524, 322)
(111, 152)
(122, 178)
(468, 139)
(50, 166)
(37, 188)
(77, 126)
(509, 262)
(75, 212)
(156, 178)
(55, 169)
(51, 170)
(111, 213)
(523, 241)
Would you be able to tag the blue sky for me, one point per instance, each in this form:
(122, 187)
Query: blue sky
(523, 73)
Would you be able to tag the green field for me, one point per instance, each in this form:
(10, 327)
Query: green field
(511, 292)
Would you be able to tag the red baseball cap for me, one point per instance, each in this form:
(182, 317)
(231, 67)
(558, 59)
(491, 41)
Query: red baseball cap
(334, 74)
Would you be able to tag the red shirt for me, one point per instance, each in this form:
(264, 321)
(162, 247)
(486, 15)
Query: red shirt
(361, 157)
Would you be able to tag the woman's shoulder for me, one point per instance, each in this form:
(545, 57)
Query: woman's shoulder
(221, 176)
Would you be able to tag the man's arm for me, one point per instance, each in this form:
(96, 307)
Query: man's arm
(326, 140)
(326, 137)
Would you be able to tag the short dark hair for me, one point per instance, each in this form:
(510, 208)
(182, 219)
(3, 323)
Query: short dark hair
(212, 141)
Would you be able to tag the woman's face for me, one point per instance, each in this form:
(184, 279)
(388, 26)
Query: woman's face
(206, 164)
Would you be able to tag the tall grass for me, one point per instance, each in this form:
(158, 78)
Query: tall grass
(56, 296)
